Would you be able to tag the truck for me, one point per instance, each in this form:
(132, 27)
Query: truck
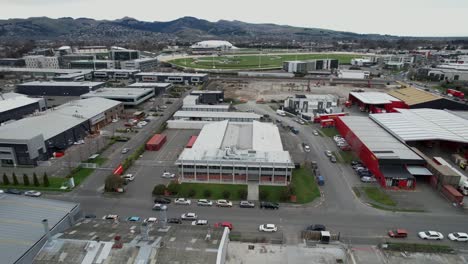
(452, 194)
(463, 183)
(280, 112)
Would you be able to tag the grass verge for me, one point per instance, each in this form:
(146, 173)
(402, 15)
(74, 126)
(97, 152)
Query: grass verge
(329, 132)
(377, 206)
(215, 189)
(415, 247)
(346, 156)
(377, 195)
(357, 192)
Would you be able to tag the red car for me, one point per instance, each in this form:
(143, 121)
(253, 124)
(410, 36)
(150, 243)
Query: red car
(399, 233)
(224, 224)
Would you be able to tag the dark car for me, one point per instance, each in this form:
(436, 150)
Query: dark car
(90, 216)
(162, 200)
(316, 228)
(269, 205)
(174, 221)
(14, 191)
(355, 162)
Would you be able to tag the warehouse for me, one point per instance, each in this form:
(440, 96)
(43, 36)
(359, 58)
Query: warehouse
(15, 106)
(128, 96)
(107, 74)
(416, 98)
(39, 73)
(159, 88)
(375, 102)
(50, 88)
(172, 77)
(227, 152)
(215, 116)
(22, 143)
(209, 97)
(23, 229)
(385, 156)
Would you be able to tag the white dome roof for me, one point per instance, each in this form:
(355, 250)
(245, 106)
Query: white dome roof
(213, 44)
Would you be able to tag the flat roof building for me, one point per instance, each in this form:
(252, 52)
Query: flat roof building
(172, 77)
(311, 104)
(375, 102)
(159, 88)
(142, 64)
(115, 74)
(237, 153)
(15, 106)
(128, 96)
(35, 73)
(51, 88)
(417, 98)
(215, 116)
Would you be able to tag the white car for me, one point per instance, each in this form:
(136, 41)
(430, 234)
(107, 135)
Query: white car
(315, 132)
(189, 216)
(431, 235)
(125, 150)
(306, 148)
(328, 153)
(110, 217)
(368, 179)
(204, 202)
(159, 207)
(200, 222)
(168, 175)
(268, 228)
(115, 120)
(151, 220)
(223, 203)
(33, 193)
(461, 237)
(129, 177)
(183, 201)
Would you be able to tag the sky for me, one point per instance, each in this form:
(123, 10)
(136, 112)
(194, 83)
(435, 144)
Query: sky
(394, 17)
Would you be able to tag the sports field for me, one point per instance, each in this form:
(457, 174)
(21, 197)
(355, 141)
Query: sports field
(254, 61)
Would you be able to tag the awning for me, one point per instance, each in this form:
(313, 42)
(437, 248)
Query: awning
(419, 171)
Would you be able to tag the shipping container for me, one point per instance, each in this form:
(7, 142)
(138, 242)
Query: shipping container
(191, 141)
(449, 192)
(156, 142)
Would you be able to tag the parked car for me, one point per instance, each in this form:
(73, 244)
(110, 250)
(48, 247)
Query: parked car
(328, 153)
(268, 228)
(128, 177)
(134, 219)
(269, 205)
(318, 227)
(159, 207)
(32, 193)
(14, 191)
(224, 224)
(110, 217)
(204, 202)
(162, 200)
(151, 220)
(368, 179)
(174, 221)
(246, 204)
(223, 203)
(355, 162)
(182, 201)
(398, 233)
(431, 235)
(315, 133)
(125, 150)
(90, 216)
(168, 175)
(460, 237)
(189, 216)
(200, 222)
(306, 147)
(333, 158)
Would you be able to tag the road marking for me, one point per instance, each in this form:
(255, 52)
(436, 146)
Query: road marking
(72, 232)
(172, 239)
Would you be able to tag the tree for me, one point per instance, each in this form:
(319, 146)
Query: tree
(207, 193)
(25, 179)
(191, 192)
(45, 180)
(226, 194)
(15, 179)
(173, 187)
(263, 194)
(113, 182)
(35, 180)
(6, 181)
(242, 194)
(159, 189)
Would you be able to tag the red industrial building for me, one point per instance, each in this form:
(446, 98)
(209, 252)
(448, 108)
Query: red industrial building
(375, 102)
(156, 142)
(392, 162)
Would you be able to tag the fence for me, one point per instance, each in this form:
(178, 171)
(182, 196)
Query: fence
(257, 237)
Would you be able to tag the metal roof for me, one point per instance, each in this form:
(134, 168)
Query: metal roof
(14, 100)
(413, 96)
(424, 124)
(418, 170)
(118, 92)
(71, 84)
(172, 74)
(150, 84)
(213, 114)
(382, 144)
(43, 70)
(21, 222)
(374, 98)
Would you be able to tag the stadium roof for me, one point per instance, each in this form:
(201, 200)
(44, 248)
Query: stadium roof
(71, 84)
(382, 144)
(413, 96)
(21, 222)
(12, 101)
(424, 124)
(374, 98)
(213, 44)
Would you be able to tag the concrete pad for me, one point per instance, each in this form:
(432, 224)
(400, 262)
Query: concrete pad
(252, 191)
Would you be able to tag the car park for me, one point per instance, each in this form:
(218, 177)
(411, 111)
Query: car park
(431, 235)
(110, 217)
(151, 220)
(328, 153)
(246, 204)
(14, 191)
(162, 200)
(174, 221)
(368, 179)
(32, 193)
(458, 236)
(189, 216)
(317, 227)
(182, 201)
(204, 202)
(223, 203)
(269, 205)
(268, 228)
(168, 175)
(125, 150)
(224, 224)
(398, 233)
(133, 219)
(159, 207)
(200, 222)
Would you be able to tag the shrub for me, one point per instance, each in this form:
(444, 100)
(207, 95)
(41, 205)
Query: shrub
(15, 179)
(191, 193)
(159, 189)
(173, 187)
(35, 180)
(25, 179)
(242, 194)
(207, 193)
(113, 182)
(45, 180)
(263, 194)
(285, 194)
(226, 194)
(6, 181)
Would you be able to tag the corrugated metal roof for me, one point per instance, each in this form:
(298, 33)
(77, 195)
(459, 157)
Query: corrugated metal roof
(14, 100)
(71, 84)
(208, 114)
(413, 96)
(374, 98)
(21, 222)
(424, 124)
(419, 170)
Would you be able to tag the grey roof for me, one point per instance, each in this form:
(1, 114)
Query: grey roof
(172, 74)
(424, 124)
(14, 100)
(209, 114)
(117, 93)
(150, 84)
(382, 144)
(71, 84)
(21, 222)
(42, 70)
(374, 98)
(117, 70)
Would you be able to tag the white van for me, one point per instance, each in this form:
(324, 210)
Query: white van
(280, 112)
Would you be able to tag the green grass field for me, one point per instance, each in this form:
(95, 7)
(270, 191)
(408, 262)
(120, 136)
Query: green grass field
(254, 61)
(216, 190)
(375, 194)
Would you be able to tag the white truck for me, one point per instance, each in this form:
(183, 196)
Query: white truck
(280, 112)
(463, 183)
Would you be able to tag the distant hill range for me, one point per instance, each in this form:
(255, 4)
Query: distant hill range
(183, 29)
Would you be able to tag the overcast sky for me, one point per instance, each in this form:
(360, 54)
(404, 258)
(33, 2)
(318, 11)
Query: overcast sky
(395, 17)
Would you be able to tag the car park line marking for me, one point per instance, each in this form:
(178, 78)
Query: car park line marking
(72, 232)
(92, 234)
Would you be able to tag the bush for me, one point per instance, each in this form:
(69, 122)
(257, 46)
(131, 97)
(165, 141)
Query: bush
(159, 189)
(285, 194)
(25, 179)
(113, 182)
(242, 194)
(263, 194)
(191, 193)
(35, 180)
(15, 179)
(207, 193)
(226, 194)
(173, 188)
(45, 180)
(6, 181)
